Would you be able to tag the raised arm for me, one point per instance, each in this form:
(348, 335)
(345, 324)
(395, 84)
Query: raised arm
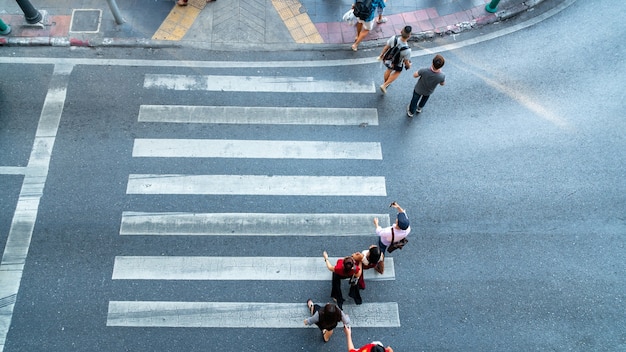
(397, 206)
(348, 331)
(328, 265)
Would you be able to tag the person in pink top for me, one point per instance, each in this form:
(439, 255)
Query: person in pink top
(399, 230)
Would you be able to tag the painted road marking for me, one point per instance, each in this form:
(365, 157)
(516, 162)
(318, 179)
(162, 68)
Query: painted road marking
(232, 268)
(248, 224)
(12, 170)
(25, 216)
(239, 314)
(234, 148)
(257, 185)
(258, 115)
(254, 84)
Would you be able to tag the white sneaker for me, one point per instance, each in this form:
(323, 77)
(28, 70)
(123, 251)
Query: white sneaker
(408, 111)
(418, 110)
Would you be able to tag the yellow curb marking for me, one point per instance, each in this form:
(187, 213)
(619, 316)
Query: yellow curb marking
(179, 20)
(300, 27)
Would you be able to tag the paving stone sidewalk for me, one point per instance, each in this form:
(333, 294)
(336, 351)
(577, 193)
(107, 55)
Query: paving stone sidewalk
(256, 24)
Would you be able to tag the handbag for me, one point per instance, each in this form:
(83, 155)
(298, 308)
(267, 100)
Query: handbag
(396, 245)
(349, 17)
(355, 294)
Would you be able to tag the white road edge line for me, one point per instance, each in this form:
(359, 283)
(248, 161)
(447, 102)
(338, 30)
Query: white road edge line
(25, 216)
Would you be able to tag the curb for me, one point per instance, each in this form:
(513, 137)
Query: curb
(93, 42)
(487, 19)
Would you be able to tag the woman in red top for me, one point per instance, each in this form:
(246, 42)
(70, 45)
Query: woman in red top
(344, 269)
(375, 346)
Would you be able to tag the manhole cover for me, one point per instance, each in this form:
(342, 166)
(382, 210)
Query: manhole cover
(86, 20)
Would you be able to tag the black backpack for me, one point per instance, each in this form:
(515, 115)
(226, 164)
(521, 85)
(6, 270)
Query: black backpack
(363, 9)
(392, 55)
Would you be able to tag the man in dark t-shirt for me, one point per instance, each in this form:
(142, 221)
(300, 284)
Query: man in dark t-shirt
(428, 79)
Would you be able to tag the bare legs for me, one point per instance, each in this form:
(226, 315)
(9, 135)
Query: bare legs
(361, 33)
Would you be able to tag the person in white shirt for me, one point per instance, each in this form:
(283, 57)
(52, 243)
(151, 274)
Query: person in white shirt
(400, 229)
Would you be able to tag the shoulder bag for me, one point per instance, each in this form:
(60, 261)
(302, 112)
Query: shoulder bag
(396, 245)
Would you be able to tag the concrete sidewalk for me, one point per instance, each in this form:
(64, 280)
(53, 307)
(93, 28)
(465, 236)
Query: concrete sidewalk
(240, 24)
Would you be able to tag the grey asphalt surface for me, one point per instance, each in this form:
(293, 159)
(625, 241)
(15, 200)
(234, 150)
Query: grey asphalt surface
(513, 178)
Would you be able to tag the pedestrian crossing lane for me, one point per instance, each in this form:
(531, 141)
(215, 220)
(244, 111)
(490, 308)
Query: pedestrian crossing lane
(241, 314)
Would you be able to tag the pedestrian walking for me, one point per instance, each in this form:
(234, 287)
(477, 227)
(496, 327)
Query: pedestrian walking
(366, 259)
(364, 11)
(346, 268)
(380, 8)
(427, 81)
(399, 230)
(371, 257)
(326, 318)
(396, 55)
(374, 346)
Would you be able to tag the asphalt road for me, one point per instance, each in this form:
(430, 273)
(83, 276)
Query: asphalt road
(513, 177)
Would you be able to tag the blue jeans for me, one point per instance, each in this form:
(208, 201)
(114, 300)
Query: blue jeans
(381, 246)
(416, 98)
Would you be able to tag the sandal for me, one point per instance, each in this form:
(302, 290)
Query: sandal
(309, 303)
(327, 334)
(181, 3)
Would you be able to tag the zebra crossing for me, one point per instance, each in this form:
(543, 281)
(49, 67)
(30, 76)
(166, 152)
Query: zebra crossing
(137, 313)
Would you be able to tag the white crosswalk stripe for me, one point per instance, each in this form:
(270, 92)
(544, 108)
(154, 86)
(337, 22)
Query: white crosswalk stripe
(257, 185)
(258, 115)
(238, 314)
(228, 148)
(173, 269)
(254, 84)
(232, 268)
(248, 224)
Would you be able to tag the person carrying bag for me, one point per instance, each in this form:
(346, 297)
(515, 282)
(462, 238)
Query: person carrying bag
(395, 234)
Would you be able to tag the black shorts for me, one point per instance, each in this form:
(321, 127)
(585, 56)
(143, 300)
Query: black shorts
(394, 67)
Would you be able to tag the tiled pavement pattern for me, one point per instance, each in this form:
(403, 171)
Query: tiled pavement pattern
(234, 22)
(179, 20)
(298, 23)
(433, 16)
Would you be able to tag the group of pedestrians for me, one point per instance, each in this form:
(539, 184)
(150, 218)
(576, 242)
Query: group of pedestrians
(351, 268)
(396, 55)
